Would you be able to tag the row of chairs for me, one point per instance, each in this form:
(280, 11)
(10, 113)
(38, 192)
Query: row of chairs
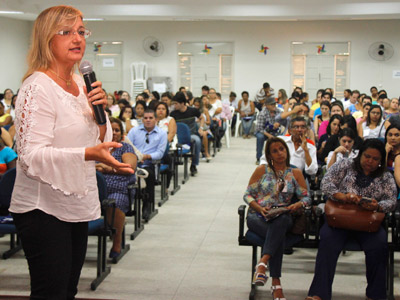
(310, 238)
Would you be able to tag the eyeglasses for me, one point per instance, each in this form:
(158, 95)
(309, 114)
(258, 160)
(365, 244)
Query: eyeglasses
(147, 138)
(85, 33)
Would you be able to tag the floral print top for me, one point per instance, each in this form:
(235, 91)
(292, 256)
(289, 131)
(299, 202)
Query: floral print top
(343, 178)
(272, 191)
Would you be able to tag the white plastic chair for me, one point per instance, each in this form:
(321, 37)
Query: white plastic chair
(139, 77)
(238, 122)
(228, 131)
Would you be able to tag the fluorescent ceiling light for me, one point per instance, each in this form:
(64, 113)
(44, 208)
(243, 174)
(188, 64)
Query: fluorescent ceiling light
(8, 12)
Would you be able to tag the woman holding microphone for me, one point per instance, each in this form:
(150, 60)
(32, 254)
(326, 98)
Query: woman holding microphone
(58, 142)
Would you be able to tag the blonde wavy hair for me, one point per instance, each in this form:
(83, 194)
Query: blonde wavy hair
(47, 24)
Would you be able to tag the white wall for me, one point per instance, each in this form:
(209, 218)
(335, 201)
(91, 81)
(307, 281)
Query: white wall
(14, 37)
(251, 68)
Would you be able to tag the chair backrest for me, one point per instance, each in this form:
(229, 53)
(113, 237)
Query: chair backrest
(6, 187)
(101, 186)
(139, 71)
(183, 133)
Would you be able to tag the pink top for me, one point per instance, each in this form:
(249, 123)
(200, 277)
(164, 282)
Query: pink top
(322, 128)
(53, 128)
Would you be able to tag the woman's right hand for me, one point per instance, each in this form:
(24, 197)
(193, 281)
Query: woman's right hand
(340, 149)
(388, 148)
(263, 211)
(101, 153)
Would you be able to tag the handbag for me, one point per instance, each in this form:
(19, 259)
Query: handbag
(352, 217)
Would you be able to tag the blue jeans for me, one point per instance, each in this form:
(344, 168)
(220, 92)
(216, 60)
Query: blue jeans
(246, 124)
(261, 138)
(274, 232)
(332, 241)
(197, 147)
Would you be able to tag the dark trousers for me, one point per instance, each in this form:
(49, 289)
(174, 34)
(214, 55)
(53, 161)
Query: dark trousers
(274, 232)
(55, 251)
(150, 184)
(374, 244)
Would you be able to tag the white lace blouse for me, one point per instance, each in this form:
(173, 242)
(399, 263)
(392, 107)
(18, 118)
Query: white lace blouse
(53, 128)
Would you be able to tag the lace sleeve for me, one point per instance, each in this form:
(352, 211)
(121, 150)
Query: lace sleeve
(62, 168)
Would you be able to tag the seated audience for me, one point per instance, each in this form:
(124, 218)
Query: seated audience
(7, 100)
(267, 125)
(204, 123)
(373, 127)
(151, 141)
(124, 95)
(126, 117)
(117, 183)
(112, 105)
(359, 113)
(246, 110)
(393, 109)
(316, 103)
(374, 94)
(324, 116)
(355, 94)
(275, 184)
(282, 98)
(363, 117)
(348, 181)
(8, 157)
(188, 115)
(326, 96)
(5, 118)
(167, 98)
(140, 107)
(392, 144)
(336, 109)
(333, 128)
(166, 123)
(262, 95)
(345, 150)
(346, 97)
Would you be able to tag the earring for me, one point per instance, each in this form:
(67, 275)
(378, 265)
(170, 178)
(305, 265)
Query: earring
(380, 165)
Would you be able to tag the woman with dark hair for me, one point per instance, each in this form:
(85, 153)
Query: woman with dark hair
(155, 95)
(392, 143)
(117, 183)
(345, 150)
(7, 100)
(273, 185)
(140, 107)
(336, 109)
(282, 98)
(373, 127)
(349, 181)
(166, 123)
(324, 116)
(333, 128)
(126, 117)
(333, 141)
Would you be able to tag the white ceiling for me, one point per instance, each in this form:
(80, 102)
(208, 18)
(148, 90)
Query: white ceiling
(229, 10)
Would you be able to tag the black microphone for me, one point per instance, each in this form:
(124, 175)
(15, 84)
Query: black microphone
(86, 69)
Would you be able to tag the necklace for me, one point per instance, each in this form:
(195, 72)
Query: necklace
(67, 81)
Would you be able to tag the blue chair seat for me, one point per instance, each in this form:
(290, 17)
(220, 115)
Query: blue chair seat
(95, 226)
(163, 168)
(8, 229)
(183, 151)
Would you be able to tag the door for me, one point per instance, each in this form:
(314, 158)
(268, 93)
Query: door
(319, 73)
(205, 71)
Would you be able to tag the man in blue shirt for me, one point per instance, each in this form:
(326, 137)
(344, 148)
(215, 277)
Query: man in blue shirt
(151, 141)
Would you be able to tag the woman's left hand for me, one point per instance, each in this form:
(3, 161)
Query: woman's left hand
(96, 96)
(295, 206)
(373, 205)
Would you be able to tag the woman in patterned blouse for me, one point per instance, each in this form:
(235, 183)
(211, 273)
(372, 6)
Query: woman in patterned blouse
(271, 186)
(348, 181)
(118, 181)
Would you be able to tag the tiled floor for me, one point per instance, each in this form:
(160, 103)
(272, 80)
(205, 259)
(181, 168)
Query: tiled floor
(190, 251)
